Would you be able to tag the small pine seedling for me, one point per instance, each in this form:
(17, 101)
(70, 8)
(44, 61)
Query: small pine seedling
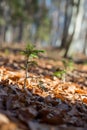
(30, 52)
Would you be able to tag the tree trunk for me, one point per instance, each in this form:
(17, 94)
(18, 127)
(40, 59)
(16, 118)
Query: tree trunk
(85, 44)
(70, 36)
(20, 33)
(68, 15)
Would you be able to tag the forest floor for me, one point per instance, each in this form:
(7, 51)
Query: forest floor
(48, 102)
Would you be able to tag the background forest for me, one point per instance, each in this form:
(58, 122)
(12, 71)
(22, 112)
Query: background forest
(45, 23)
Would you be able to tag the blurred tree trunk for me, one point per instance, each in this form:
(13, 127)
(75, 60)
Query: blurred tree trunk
(1, 35)
(73, 24)
(85, 44)
(55, 23)
(3, 30)
(67, 20)
(20, 33)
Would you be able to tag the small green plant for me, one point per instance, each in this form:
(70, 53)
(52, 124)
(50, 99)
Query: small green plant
(30, 52)
(60, 74)
(68, 66)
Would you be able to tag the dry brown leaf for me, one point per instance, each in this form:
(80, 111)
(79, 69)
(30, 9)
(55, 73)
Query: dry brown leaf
(80, 91)
(85, 100)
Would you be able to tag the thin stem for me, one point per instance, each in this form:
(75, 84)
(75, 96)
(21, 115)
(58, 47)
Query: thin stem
(26, 71)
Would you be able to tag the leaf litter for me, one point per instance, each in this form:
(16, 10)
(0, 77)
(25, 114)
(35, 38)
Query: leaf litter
(49, 103)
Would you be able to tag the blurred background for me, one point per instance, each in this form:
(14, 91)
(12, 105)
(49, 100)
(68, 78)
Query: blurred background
(48, 23)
